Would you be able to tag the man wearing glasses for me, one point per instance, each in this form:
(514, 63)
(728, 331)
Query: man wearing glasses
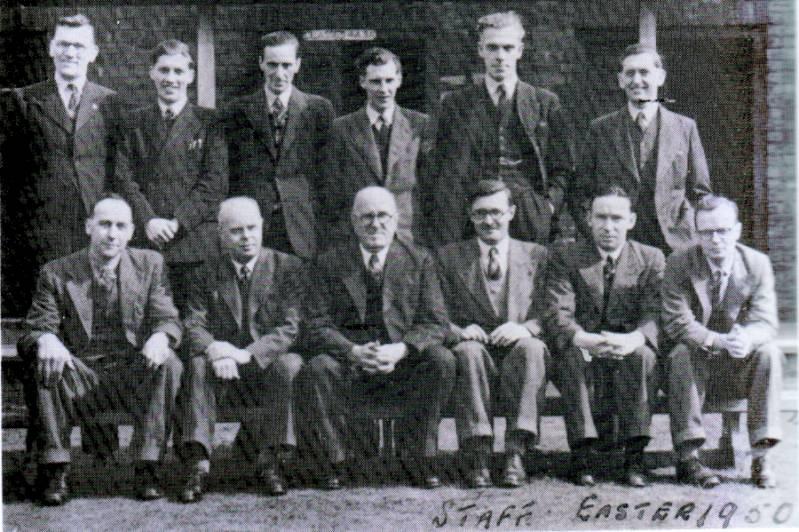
(376, 324)
(489, 286)
(720, 313)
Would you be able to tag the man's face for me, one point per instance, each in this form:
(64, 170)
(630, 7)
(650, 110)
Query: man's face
(375, 221)
(501, 49)
(72, 49)
(241, 233)
(640, 78)
(718, 231)
(280, 64)
(110, 228)
(172, 75)
(491, 216)
(610, 219)
(381, 83)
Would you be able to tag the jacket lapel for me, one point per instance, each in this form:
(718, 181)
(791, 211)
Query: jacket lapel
(520, 282)
(591, 271)
(401, 135)
(52, 106)
(700, 280)
(88, 104)
(297, 104)
(260, 283)
(470, 273)
(361, 134)
(186, 124)
(79, 287)
(353, 281)
(130, 290)
(259, 118)
(624, 145)
(529, 113)
(229, 288)
(666, 139)
(739, 286)
(628, 268)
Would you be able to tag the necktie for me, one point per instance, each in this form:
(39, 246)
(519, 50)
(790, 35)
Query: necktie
(715, 289)
(278, 120)
(501, 96)
(493, 271)
(107, 278)
(640, 120)
(244, 291)
(608, 273)
(74, 99)
(374, 267)
(169, 115)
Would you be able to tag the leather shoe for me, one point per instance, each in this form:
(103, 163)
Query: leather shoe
(762, 474)
(692, 471)
(635, 477)
(479, 475)
(147, 488)
(331, 483)
(581, 471)
(273, 482)
(54, 492)
(514, 475)
(192, 490)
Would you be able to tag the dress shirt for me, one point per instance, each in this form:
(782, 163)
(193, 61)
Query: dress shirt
(503, 247)
(726, 269)
(98, 267)
(615, 254)
(650, 110)
(175, 107)
(492, 85)
(271, 97)
(388, 115)
(64, 92)
(250, 266)
(381, 257)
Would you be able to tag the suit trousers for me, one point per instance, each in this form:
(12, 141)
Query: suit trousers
(267, 395)
(522, 384)
(421, 383)
(123, 383)
(757, 377)
(633, 388)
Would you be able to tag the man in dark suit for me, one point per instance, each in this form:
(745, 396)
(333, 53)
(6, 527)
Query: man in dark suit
(64, 137)
(276, 140)
(603, 302)
(489, 285)
(720, 313)
(380, 144)
(242, 320)
(505, 129)
(176, 171)
(100, 333)
(376, 324)
(649, 151)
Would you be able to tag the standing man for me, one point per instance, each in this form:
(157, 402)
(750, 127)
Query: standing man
(176, 174)
(489, 288)
(101, 334)
(376, 325)
(276, 140)
(505, 129)
(649, 151)
(381, 144)
(603, 300)
(720, 309)
(242, 320)
(65, 135)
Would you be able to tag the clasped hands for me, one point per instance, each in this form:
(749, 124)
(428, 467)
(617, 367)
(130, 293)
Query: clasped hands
(609, 345)
(373, 358)
(161, 231)
(226, 359)
(505, 335)
(736, 342)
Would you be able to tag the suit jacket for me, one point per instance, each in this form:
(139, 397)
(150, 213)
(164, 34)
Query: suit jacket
(413, 308)
(182, 176)
(215, 308)
(682, 175)
(353, 162)
(255, 163)
(465, 293)
(62, 304)
(460, 152)
(750, 299)
(67, 171)
(575, 292)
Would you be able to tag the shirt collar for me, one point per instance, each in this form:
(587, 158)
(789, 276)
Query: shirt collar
(492, 85)
(502, 247)
(388, 115)
(175, 107)
(62, 83)
(650, 110)
(250, 265)
(284, 97)
(97, 266)
(615, 254)
(725, 268)
(381, 256)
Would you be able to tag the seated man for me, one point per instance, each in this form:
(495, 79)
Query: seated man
(376, 324)
(489, 287)
(243, 318)
(603, 302)
(100, 334)
(720, 309)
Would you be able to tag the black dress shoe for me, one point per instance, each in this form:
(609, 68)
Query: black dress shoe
(479, 475)
(762, 475)
(331, 483)
(634, 471)
(146, 481)
(54, 491)
(692, 471)
(580, 473)
(193, 487)
(273, 482)
(514, 475)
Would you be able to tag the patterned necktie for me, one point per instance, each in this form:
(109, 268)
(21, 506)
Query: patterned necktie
(608, 273)
(501, 96)
(107, 278)
(640, 121)
(374, 267)
(169, 115)
(493, 271)
(715, 288)
(74, 99)
(244, 291)
(278, 120)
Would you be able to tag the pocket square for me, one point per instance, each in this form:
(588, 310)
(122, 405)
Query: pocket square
(196, 144)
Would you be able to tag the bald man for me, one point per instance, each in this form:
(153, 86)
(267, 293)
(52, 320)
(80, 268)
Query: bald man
(376, 324)
(100, 334)
(242, 320)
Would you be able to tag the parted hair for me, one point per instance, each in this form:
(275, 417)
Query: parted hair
(279, 38)
(609, 190)
(505, 19)
(77, 20)
(489, 187)
(712, 202)
(171, 47)
(638, 48)
(376, 56)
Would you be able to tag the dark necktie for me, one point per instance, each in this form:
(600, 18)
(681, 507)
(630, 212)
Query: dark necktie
(608, 273)
(167, 119)
(374, 267)
(640, 121)
(715, 289)
(244, 291)
(501, 96)
(74, 99)
(278, 120)
(493, 271)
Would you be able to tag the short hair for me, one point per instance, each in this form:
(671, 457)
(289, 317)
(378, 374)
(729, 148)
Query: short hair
(376, 56)
(506, 19)
(489, 187)
(171, 47)
(638, 48)
(77, 20)
(374, 189)
(225, 204)
(609, 190)
(711, 202)
(279, 38)
(110, 196)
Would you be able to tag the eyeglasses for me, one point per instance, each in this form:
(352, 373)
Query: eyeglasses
(482, 214)
(723, 232)
(381, 217)
(64, 45)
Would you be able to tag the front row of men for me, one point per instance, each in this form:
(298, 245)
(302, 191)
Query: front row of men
(386, 322)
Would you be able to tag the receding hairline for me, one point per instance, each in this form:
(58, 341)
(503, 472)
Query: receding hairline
(119, 201)
(225, 208)
(374, 193)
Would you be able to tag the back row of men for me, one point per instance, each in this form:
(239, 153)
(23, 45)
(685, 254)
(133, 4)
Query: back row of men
(174, 162)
